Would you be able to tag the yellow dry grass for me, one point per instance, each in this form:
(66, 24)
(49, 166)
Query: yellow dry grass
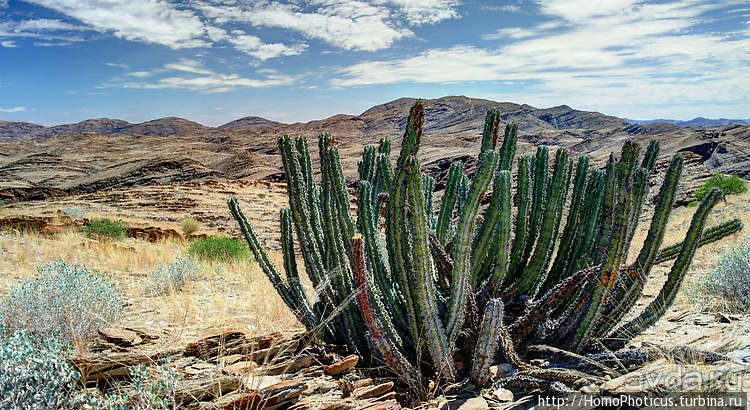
(691, 296)
(223, 296)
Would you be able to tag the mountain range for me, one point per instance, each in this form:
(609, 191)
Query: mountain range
(100, 154)
(448, 114)
(695, 122)
(529, 118)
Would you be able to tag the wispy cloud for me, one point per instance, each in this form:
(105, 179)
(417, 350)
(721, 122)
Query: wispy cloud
(15, 109)
(420, 12)
(150, 21)
(346, 24)
(194, 75)
(652, 52)
(255, 47)
(46, 29)
(353, 25)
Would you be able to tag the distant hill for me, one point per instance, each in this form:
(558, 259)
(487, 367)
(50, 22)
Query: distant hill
(21, 131)
(97, 154)
(252, 121)
(695, 122)
(446, 115)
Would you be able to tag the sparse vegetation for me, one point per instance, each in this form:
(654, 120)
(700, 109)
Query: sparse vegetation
(64, 299)
(171, 276)
(189, 226)
(729, 184)
(107, 228)
(445, 286)
(34, 373)
(74, 213)
(147, 392)
(730, 278)
(218, 248)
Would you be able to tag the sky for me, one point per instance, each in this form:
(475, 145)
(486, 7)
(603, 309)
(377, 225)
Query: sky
(64, 61)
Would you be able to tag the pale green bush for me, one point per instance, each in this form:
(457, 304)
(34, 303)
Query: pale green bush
(66, 299)
(731, 277)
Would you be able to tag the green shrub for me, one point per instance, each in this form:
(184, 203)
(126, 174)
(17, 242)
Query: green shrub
(171, 277)
(66, 299)
(74, 213)
(692, 204)
(107, 228)
(34, 373)
(189, 226)
(731, 277)
(730, 184)
(218, 248)
(146, 391)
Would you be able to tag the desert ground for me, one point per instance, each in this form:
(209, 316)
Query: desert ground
(236, 296)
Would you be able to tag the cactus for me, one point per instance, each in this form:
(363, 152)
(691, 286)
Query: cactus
(416, 291)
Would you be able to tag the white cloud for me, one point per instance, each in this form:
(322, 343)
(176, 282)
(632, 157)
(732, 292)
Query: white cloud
(150, 21)
(8, 44)
(16, 109)
(194, 75)
(513, 33)
(420, 12)
(367, 25)
(255, 47)
(577, 10)
(50, 30)
(352, 25)
(620, 54)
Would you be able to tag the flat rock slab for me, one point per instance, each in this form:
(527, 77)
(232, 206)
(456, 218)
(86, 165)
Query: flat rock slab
(476, 403)
(368, 392)
(240, 368)
(339, 367)
(120, 336)
(662, 375)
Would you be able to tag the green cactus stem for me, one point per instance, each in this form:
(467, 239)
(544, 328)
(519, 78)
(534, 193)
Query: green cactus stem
(656, 309)
(488, 340)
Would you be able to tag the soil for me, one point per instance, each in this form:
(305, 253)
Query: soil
(236, 296)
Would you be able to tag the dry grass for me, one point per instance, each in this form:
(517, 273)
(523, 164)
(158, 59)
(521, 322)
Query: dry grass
(224, 296)
(691, 296)
(237, 296)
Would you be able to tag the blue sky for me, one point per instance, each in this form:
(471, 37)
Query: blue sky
(63, 61)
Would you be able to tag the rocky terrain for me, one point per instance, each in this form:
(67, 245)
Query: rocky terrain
(44, 162)
(224, 353)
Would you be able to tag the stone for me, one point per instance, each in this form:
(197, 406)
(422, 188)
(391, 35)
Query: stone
(368, 392)
(590, 389)
(502, 395)
(240, 368)
(339, 367)
(283, 392)
(289, 366)
(476, 403)
(258, 382)
(120, 336)
(704, 320)
(227, 360)
(391, 404)
(362, 383)
(501, 370)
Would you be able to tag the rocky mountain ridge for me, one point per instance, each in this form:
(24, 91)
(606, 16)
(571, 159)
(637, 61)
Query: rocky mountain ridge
(446, 115)
(174, 150)
(695, 122)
